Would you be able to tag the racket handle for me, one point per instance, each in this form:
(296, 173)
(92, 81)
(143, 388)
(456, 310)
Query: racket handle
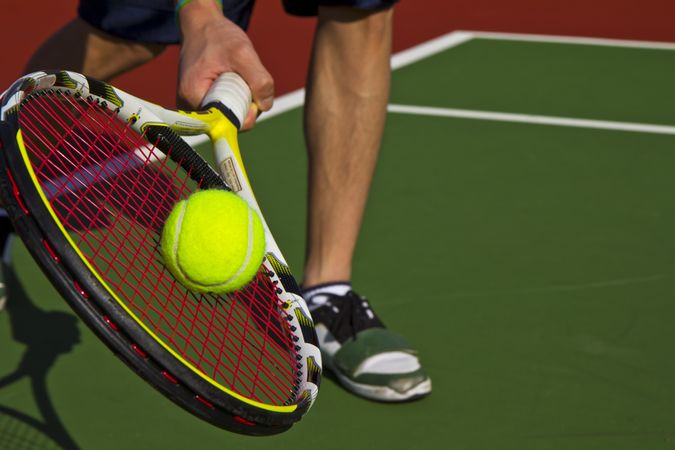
(231, 91)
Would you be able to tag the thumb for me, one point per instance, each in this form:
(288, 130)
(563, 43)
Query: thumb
(251, 116)
(192, 87)
(258, 79)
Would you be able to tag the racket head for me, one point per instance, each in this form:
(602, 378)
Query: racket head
(90, 175)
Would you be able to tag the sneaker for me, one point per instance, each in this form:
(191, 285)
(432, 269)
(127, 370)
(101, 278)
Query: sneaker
(367, 358)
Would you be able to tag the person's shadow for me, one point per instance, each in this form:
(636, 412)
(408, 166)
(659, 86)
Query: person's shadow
(46, 335)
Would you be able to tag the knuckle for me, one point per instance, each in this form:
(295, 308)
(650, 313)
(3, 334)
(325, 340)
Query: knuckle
(264, 85)
(241, 50)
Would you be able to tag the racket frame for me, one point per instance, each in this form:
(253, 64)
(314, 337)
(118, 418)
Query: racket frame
(98, 307)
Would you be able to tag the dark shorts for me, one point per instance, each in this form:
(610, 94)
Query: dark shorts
(154, 21)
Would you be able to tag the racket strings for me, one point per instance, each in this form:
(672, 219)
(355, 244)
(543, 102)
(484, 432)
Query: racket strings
(192, 329)
(112, 190)
(82, 149)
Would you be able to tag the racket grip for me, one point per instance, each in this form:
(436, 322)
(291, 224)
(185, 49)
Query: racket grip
(231, 91)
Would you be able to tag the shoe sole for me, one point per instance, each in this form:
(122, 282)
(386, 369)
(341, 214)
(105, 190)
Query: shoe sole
(383, 393)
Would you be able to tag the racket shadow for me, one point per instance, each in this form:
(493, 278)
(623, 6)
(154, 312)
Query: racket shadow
(47, 335)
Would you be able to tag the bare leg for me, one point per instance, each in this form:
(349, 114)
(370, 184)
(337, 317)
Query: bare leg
(347, 93)
(81, 48)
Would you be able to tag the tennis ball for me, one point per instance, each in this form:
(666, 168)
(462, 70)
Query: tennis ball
(213, 242)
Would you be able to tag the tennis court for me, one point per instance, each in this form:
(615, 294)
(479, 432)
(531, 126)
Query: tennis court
(521, 232)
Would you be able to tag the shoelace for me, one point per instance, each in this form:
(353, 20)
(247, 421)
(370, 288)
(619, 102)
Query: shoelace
(352, 314)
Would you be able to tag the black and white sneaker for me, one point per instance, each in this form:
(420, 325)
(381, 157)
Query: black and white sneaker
(367, 358)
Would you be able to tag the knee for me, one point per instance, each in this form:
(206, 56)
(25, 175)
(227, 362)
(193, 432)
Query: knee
(370, 23)
(106, 56)
(80, 47)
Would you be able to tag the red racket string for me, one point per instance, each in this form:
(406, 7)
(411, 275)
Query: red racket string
(112, 190)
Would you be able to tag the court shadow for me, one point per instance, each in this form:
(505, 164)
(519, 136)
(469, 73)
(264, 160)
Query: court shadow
(47, 335)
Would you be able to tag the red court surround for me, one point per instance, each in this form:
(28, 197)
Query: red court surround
(284, 42)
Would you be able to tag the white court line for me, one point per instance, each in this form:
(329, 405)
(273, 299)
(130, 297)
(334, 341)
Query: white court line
(532, 119)
(464, 36)
(578, 40)
(284, 103)
(411, 55)
(430, 48)
(296, 98)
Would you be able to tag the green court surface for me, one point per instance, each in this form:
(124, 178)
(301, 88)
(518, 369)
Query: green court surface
(533, 266)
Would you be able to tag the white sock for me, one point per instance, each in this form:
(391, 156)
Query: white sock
(318, 295)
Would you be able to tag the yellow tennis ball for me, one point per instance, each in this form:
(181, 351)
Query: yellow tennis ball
(213, 242)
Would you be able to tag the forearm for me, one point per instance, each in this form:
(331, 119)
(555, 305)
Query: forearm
(194, 15)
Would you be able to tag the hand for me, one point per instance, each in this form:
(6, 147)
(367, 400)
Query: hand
(213, 45)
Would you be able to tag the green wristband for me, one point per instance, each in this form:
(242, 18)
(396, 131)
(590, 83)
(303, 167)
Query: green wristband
(182, 3)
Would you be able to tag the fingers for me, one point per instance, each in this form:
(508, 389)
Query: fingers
(251, 117)
(258, 79)
(191, 89)
(213, 45)
(202, 63)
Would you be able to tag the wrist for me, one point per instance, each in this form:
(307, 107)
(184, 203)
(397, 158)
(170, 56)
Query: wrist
(181, 3)
(191, 14)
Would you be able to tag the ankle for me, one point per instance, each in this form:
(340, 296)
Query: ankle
(317, 295)
(314, 276)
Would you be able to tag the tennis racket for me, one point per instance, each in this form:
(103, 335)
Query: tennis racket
(90, 173)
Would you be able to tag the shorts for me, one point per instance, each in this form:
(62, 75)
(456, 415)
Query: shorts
(154, 21)
(311, 7)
